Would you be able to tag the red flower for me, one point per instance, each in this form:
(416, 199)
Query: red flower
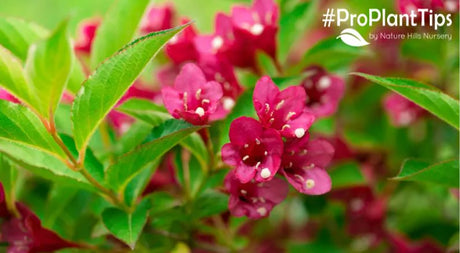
(254, 200)
(402, 112)
(181, 48)
(87, 32)
(400, 244)
(283, 111)
(365, 212)
(304, 164)
(253, 150)
(324, 91)
(254, 29)
(157, 19)
(192, 98)
(25, 234)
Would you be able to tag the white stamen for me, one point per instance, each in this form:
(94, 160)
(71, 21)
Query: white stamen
(303, 152)
(278, 106)
(257, 29)
(299, 132)
(267, 107)
(324, 83)
(246, 157)
(258, 164)
(198, 94)
(262, 200)
(289, 115)
(285, 126)
(290, 165)
(244, 192)
(271, 120)
(265, 173)
(219, 78)
(217, 43)
(405, 118)
(311, 166)
(262, 211)
(356, 204)
(254, 200)
(228, 103)
(246, 145)
(257, 141)
(199, 111)
(185, 101)
(205, 101)
(266, 153)
(310, 183)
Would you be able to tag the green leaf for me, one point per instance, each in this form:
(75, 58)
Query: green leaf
(48, 67)
(13, 78)
(135, 135)
(58, 198)
(116, 74)
(161, 139)
(8, 177)
(43, 164)
(430, 98)
(265, 63)
(346, 174)
(17, 35)
(293, 25)
(443, 173)
(76, 77)
(195, 144)
(126, 226)
(144, 110)
(209, 204)
(19, 125)
(118, 28)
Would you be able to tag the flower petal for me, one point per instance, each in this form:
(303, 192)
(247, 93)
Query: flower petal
(312, 181)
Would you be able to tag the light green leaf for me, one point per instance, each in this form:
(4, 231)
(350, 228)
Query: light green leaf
(8, 177)
(293, 25)
(265, 63)
(116, 74)
(43, 164)
(76, 77)
(144, 110)
(13, 78)
(430, 98)
(126, 226)
(161, 139)
(136, 133)
(117, 29)
(443, 173)
(17, 35)
(58, 198)
(19, 125)
(195, 144)
(48, 67)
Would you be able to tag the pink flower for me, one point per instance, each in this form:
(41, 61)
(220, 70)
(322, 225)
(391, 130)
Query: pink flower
(157, 19)
(402, 112)
(86, 33)
(254, 29)
(254, 200)
(216, 44)
(282, 110)
(192, 98)
(254, 151)
(406, 6)
(5, 95)
(324, 91)
(304, 164)
(181, 48)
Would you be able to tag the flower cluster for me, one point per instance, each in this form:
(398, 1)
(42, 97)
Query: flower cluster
(402, 112)
(278, 141)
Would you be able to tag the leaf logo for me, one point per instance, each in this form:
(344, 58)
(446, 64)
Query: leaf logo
(352, 38)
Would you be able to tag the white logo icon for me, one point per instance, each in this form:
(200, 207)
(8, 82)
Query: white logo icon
(352, 38)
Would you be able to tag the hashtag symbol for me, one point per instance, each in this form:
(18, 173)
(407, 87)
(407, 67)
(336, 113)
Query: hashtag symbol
(328, 18)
